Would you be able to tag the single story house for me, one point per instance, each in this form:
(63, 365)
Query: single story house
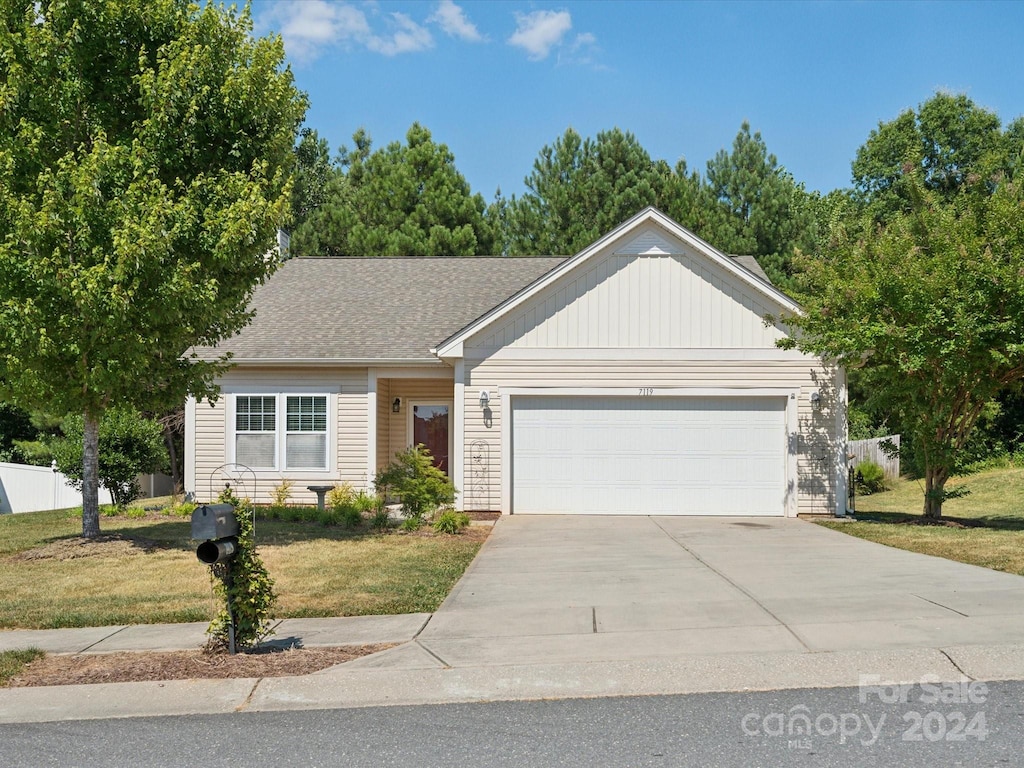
(637, 377)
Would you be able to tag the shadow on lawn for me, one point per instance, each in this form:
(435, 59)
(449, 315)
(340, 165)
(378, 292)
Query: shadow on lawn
(989, 522)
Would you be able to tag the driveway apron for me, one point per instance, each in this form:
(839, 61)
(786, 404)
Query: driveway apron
(551, 589)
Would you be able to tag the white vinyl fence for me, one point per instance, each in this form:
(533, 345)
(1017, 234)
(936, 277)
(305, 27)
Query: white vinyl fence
(871, 450)
(25, 488)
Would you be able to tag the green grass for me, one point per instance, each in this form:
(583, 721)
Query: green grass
(13, 662)
(318, 571)
(994, 510)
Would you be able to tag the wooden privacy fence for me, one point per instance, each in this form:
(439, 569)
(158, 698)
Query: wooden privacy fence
(871, 450)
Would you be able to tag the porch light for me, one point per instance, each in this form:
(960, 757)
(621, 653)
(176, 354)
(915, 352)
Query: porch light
(485, 398)
(396, 405)
(816, 401)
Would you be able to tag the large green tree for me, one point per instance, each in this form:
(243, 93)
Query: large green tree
(403, 200)
(580, 189)
(145, 149)
(949, 141)
(757, 208)
(930, 303)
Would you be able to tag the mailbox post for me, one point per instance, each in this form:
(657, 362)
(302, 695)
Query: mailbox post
(216, 528)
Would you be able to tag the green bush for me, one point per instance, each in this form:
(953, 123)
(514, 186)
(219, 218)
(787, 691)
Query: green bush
(870, 478)
(416, 482)
(340, 496)
(280, 495)
(412, 523)
(129, 445)
(184, 509)
(380, 519)
(451, 521)
(368, 503)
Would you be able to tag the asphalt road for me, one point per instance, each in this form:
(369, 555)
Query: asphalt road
(974, 725)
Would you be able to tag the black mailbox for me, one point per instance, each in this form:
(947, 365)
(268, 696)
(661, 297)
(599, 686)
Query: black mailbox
(216, 526)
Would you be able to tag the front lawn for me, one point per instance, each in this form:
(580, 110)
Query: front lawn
(145, 571)
(992, 516)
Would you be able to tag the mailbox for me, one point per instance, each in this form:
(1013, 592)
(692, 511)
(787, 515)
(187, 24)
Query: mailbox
(215, 525)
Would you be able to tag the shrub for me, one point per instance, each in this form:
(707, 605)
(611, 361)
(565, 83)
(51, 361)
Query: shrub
(412, 523)
(368, 503)
(340, 496)
(184, 509)
(380, 519)
(870, 478)
(134, 513)
(416, 482)
(129, 445)
(280, 495)
(451, 521)
(328, 517)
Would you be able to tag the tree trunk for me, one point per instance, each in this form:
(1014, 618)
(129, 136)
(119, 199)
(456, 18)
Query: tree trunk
(172, 455)
(934, 487)
(90, 476)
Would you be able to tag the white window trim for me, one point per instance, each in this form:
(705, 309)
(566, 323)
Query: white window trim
(281, 432)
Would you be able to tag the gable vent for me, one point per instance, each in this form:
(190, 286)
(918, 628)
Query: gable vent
(649, 244)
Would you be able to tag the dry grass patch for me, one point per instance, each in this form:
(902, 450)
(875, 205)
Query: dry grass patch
(144, 571)
(987, 525)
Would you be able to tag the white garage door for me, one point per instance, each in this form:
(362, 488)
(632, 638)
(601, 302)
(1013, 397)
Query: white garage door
(649, 455)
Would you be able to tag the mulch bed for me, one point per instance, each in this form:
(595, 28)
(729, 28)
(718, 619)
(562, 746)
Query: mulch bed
(131, 666)
(104, 545)
(943, 522)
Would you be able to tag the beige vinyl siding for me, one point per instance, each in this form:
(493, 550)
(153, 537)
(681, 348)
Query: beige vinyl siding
(817, 428)
(396, 435)
(350, 438)
(384, 398)
(624, 301)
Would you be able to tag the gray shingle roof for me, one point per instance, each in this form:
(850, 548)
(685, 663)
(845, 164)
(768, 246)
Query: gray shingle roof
(375, 309)
(381, 309)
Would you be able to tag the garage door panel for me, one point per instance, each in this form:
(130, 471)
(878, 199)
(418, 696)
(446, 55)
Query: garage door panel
(621, 455)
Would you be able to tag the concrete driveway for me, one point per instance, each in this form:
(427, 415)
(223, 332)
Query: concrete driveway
(554, 589)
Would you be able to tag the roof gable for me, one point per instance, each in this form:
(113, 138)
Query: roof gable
(650, 282)
(372, 310)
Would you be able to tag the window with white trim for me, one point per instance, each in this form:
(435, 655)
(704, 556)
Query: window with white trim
(262, 439)
(305, 442)
(256, 431)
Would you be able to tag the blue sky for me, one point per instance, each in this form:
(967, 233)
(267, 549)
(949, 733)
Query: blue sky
(498, 80)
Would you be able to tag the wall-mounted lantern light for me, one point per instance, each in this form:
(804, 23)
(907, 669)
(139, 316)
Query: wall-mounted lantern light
(485, 398)
(396, 405)
(816, 401)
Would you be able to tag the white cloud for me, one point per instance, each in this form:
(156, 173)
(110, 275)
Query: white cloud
(308, 27)
(407, 37)
(452, 19)
(540, 31)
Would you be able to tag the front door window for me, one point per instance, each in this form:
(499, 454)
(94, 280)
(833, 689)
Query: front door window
(430, 428)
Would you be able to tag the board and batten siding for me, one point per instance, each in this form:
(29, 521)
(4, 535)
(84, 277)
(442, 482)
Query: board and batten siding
(629, 301)
(350, 438)
(815, 442)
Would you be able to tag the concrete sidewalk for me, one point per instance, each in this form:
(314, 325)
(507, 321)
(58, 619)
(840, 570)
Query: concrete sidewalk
(307, 633)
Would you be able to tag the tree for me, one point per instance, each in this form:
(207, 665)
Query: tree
(580, 189)
(129, 446)
(145, 149)
(948, 140)
(931, 303)
(759, 209)
(403, 200)
(313, 174)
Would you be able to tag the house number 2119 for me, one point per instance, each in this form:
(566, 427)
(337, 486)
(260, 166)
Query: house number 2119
(646, 391)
